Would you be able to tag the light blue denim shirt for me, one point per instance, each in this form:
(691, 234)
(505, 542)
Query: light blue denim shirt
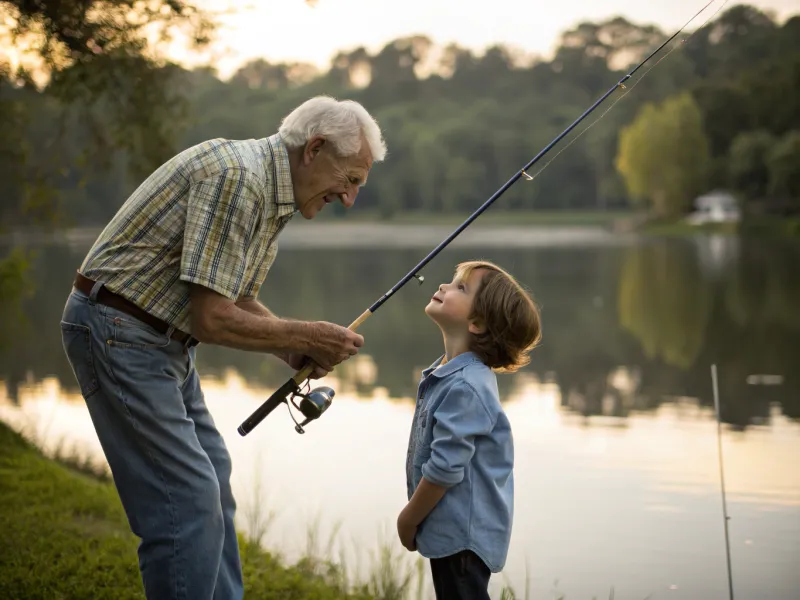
(461, 439)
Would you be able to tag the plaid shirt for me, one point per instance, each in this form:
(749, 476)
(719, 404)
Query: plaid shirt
(210, 215)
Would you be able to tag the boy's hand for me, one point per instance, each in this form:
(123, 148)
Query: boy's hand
(424, 499)
(407, 532)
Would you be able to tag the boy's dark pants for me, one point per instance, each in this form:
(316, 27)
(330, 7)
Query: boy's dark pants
(461, 576)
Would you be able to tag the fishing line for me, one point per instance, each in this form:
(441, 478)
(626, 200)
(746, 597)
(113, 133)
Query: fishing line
(629, 89)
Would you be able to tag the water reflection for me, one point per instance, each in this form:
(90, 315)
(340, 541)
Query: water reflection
(625, 327)
(636, 507)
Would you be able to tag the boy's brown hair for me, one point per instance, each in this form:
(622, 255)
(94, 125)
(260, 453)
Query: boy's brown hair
(509, 315)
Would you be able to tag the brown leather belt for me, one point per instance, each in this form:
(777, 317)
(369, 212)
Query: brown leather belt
(109, 298)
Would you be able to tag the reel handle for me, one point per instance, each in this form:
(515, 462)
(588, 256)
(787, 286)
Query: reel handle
(291, 386)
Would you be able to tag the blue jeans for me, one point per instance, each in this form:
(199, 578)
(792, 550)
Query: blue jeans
(170, 465)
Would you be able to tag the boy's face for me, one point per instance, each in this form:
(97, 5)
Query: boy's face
(451, 305)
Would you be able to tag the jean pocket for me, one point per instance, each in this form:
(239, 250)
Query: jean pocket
(77, 340)
(128, 332)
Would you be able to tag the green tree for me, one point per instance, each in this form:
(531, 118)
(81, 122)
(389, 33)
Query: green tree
(87, 90)
(663, 155)
(747, 167)
(97, 61)
(783, 163)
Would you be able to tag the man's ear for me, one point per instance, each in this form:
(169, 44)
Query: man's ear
(312, 148)
(476, 327)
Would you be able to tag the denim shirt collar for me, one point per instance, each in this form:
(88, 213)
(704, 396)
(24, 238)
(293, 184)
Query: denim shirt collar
(459, 362)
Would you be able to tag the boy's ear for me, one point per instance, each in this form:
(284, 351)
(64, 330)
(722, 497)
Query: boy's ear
(476, 327)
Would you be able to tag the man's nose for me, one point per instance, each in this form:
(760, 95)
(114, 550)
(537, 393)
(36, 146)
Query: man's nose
(349, 196)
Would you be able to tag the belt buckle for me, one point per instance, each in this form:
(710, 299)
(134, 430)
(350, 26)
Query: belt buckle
(190, 342)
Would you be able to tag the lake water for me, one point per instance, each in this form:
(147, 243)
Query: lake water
(617, 472)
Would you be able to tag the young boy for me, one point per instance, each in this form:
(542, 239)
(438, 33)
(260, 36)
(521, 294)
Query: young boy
(460, 460)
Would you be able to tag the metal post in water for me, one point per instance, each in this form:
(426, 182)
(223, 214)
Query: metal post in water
(725, 517)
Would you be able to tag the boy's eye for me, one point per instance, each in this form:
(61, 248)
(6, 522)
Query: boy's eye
(461, 286)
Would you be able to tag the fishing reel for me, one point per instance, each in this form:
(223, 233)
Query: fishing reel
(312, 404)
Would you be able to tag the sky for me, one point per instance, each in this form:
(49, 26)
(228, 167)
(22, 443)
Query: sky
(291, 30)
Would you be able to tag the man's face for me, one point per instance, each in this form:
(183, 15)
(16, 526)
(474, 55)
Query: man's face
(323, 177)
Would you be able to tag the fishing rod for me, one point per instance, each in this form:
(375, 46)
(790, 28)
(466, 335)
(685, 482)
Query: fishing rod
(725, 517)
(317, 401)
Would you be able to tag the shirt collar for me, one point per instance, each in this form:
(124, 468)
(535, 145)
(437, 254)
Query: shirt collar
(282, 176)
(451, 366)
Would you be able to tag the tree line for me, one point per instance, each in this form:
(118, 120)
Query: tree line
(721, 111)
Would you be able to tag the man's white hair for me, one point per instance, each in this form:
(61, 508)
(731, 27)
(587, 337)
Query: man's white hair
(340, 121)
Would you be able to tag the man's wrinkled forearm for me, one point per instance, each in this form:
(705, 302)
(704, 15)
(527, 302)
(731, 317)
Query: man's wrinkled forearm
(254, 307)
(247, 326)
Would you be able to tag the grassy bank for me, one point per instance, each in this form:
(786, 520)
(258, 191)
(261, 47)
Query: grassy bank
(65, 536)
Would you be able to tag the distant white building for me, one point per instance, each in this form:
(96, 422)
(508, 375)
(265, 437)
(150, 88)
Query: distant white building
(715, 207)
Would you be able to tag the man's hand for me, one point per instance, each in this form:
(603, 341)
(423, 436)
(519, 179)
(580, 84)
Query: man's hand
(407, 532)
(332, 344)
(298, 361)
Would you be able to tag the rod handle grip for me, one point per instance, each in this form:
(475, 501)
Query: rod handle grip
(267, 407)
(303, 373)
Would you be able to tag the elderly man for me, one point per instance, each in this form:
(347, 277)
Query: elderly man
(182, 263)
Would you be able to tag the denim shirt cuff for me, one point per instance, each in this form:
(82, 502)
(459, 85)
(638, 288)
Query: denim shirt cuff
(440, 477)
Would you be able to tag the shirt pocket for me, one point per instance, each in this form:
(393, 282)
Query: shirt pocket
(422, 442)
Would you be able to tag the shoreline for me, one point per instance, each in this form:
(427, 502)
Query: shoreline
(336, 234)
(300, 234)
